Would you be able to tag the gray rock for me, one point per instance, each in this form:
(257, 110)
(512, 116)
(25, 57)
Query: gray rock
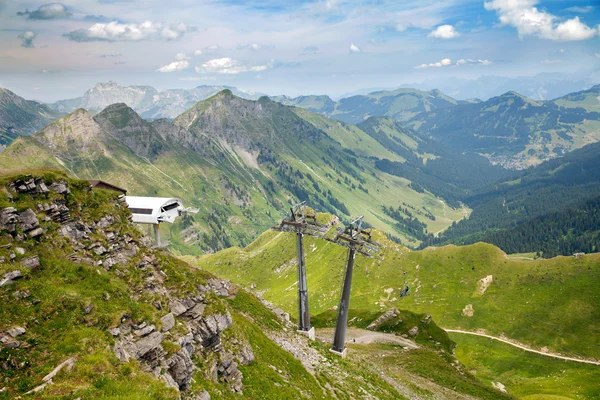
(204, 395)
(246, 355)
(21, 294)
(177, 307)
(114, 331)
(28, 220)
(20, 250)
(208, 329)
(187, 343)
(13, 275)
(145, 331)
(60, 188)
(17, 331)
(181, 368)
(195, 311)
(5, 282)
(414, 331)
(88, 309)
(170, 381)
(32, 263)
(168, 322)
(121, 352)
(149, 347)
(36, 232)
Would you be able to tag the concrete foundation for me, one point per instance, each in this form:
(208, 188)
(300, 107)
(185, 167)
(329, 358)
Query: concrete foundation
(339, 353)
(309, 333)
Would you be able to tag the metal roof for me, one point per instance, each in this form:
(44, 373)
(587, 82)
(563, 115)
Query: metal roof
(154, 203)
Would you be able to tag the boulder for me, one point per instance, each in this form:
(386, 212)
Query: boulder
(28, 220)
(149, 347)
(169, 381)
(32, 263)
(414, 331)
(17, 331)
(181, 368)
(36, 233)
(168, 322)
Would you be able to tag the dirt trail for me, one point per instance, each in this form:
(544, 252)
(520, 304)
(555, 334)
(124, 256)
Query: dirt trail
(363, 336)
(520, 346)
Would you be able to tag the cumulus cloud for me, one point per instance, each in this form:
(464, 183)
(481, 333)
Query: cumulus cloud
(27, 39)
(118, 32)
(444, 32)
(181, 62)
(47, 11)
(528, 20)
(227, 65)
(354, 48)
(446, 62)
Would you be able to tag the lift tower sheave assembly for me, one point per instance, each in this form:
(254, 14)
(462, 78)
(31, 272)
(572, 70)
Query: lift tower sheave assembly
(302, 221)
(357, 240)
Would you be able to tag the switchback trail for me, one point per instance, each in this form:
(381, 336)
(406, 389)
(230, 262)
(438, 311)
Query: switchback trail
(525, 348)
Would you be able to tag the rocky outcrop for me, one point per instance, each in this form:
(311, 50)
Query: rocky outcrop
(383, 318)
(192, 323)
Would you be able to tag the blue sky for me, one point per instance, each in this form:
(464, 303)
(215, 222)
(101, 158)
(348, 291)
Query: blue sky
(59, 50)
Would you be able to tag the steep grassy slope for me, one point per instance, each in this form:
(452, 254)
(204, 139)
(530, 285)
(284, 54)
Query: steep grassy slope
(550, 303)
(21, 117)
(133, 322)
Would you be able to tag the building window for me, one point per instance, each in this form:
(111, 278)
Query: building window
(146, 211)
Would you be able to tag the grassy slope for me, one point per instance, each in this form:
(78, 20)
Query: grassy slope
(58, 328)
(552, 303)
(526, 375)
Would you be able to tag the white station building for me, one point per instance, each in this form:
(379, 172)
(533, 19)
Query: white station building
(155, 210)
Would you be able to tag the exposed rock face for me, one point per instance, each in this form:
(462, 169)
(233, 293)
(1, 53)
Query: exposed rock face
(207, 330)
(28, 220)
(168, 322)
(383, 318)
(181, 368)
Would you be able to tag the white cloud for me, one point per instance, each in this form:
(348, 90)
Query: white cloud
(597, 55)
(528, 20)
(181, 62)
(354, 48)
(213, 48)
(175, 66)
(198, 53)
(578, 9)
(227, 65)
(116, 31)
(446, 62)
(548, 61)
(444, 32)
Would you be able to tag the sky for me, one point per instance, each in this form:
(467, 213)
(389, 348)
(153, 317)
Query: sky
(52, 51)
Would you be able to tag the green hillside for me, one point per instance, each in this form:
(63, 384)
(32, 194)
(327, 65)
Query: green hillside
(443, 282)
(21, 117)
(513, 130)
(551, 304)
(241, 162)
(550, 208)
(91, 311)
(400, 104)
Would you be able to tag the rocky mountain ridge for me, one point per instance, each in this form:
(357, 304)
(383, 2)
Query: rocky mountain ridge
(149, 102)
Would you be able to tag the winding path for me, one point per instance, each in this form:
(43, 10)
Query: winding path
(594, 362)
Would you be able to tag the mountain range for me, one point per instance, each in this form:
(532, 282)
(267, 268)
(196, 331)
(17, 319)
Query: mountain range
(149, 102)
(242, 162)
(21, 117)
(511, 130)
